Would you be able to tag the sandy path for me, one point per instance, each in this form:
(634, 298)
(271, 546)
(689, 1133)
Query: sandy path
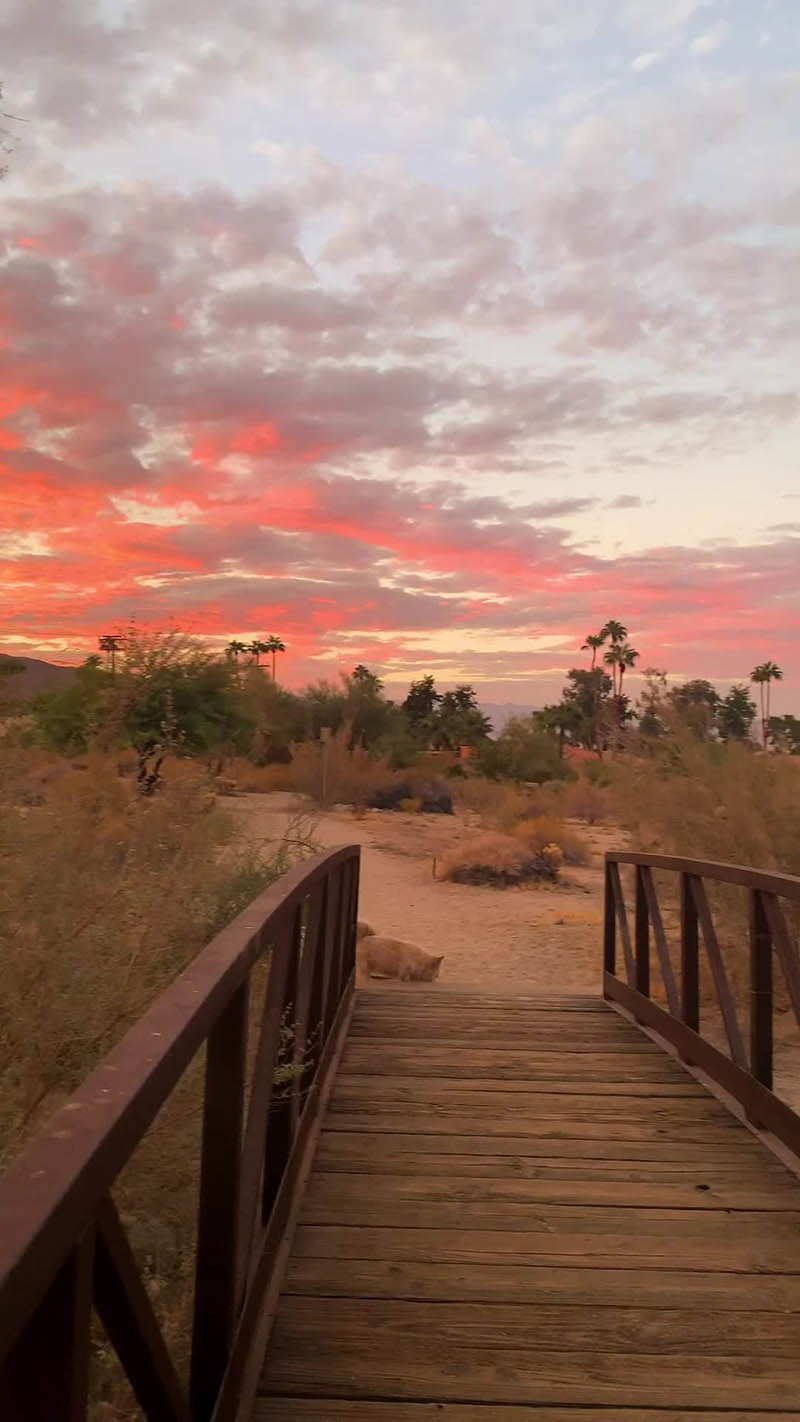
(542, 938)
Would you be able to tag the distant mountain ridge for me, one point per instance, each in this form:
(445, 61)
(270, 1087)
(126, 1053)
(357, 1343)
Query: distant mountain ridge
(499, 712)
(37, 676)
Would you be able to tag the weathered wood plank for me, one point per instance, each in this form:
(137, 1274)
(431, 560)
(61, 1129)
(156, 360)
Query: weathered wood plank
(406, 1202)
(362, 1152)
(735, 1149)
(379, 1058)
(426, 1087)
(334, 1409)
(735, 1253)
(565, 1189)
(362, 1362)
(392, 1117)
(403, 1327)
(531, 1285)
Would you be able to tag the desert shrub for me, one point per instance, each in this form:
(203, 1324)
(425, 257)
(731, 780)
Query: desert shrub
(495, 802)
(522, 752)
(584, 801)
(712, 801)
(105, 896)
(547, 829)
(333, 773)
(501, 860)
(260, 779)
(431, 795)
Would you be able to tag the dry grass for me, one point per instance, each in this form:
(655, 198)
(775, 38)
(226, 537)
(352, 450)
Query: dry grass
(713, 802)
(104, 897)
(581, 800)
(501, 860)
(259, 779)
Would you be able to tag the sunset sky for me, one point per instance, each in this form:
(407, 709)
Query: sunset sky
(424, 333)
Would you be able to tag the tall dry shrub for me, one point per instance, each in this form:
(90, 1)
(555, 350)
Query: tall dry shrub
(105, 895)
(332, 773)
(723, 802)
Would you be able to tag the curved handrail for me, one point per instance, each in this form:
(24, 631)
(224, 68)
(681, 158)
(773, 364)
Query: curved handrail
(747, 1071)
(55, 1196)
(787, 885)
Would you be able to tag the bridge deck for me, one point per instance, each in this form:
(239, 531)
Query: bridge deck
(525, 1209)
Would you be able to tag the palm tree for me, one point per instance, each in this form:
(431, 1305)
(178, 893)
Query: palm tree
(612, 660)
(274, 644)
(111, 643)
(616, 632)
(627, 658)
(762, 676)
(255, 649)
(595, 643)
(235, 649)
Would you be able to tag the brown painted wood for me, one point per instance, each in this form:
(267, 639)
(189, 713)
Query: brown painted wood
(544, 1098)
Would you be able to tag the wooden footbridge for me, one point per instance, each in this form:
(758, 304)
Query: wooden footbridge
(423, 1203)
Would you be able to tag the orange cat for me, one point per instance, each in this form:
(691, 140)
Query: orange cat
(392, 958)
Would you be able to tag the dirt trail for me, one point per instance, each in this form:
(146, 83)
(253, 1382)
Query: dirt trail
(539, 938)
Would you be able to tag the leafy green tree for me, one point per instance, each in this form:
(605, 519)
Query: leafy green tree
(523, 752)
(420, 706)
(369, 713)
(736, 713)
(696, 703)
(325, 705)
(763, 676)
(69, 719)
(566, 722)
(460, 721)
(652, 700)
(784, 732)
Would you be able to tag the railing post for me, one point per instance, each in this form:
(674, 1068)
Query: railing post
(642, 929)
(220, 1171)
(760, 992)
(46, 1375)
(690, 977)
(280, 1126)
(609, 925)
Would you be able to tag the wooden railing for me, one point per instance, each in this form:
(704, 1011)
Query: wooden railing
(63, 1248)
(745, 1071)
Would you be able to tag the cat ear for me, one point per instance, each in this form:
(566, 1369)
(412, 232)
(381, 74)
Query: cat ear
(439, 961)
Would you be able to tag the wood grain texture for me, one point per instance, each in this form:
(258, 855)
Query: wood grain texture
(524, 1209)
(334, 1409)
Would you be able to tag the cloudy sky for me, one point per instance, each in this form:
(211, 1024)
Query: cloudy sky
(426, 333)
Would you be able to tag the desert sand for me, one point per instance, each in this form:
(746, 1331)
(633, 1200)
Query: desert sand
(541, 938)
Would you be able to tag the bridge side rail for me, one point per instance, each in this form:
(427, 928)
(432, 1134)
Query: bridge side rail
(63, 1248)
(746, 1070)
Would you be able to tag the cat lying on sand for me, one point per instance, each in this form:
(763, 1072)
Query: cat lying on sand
(392, 958)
